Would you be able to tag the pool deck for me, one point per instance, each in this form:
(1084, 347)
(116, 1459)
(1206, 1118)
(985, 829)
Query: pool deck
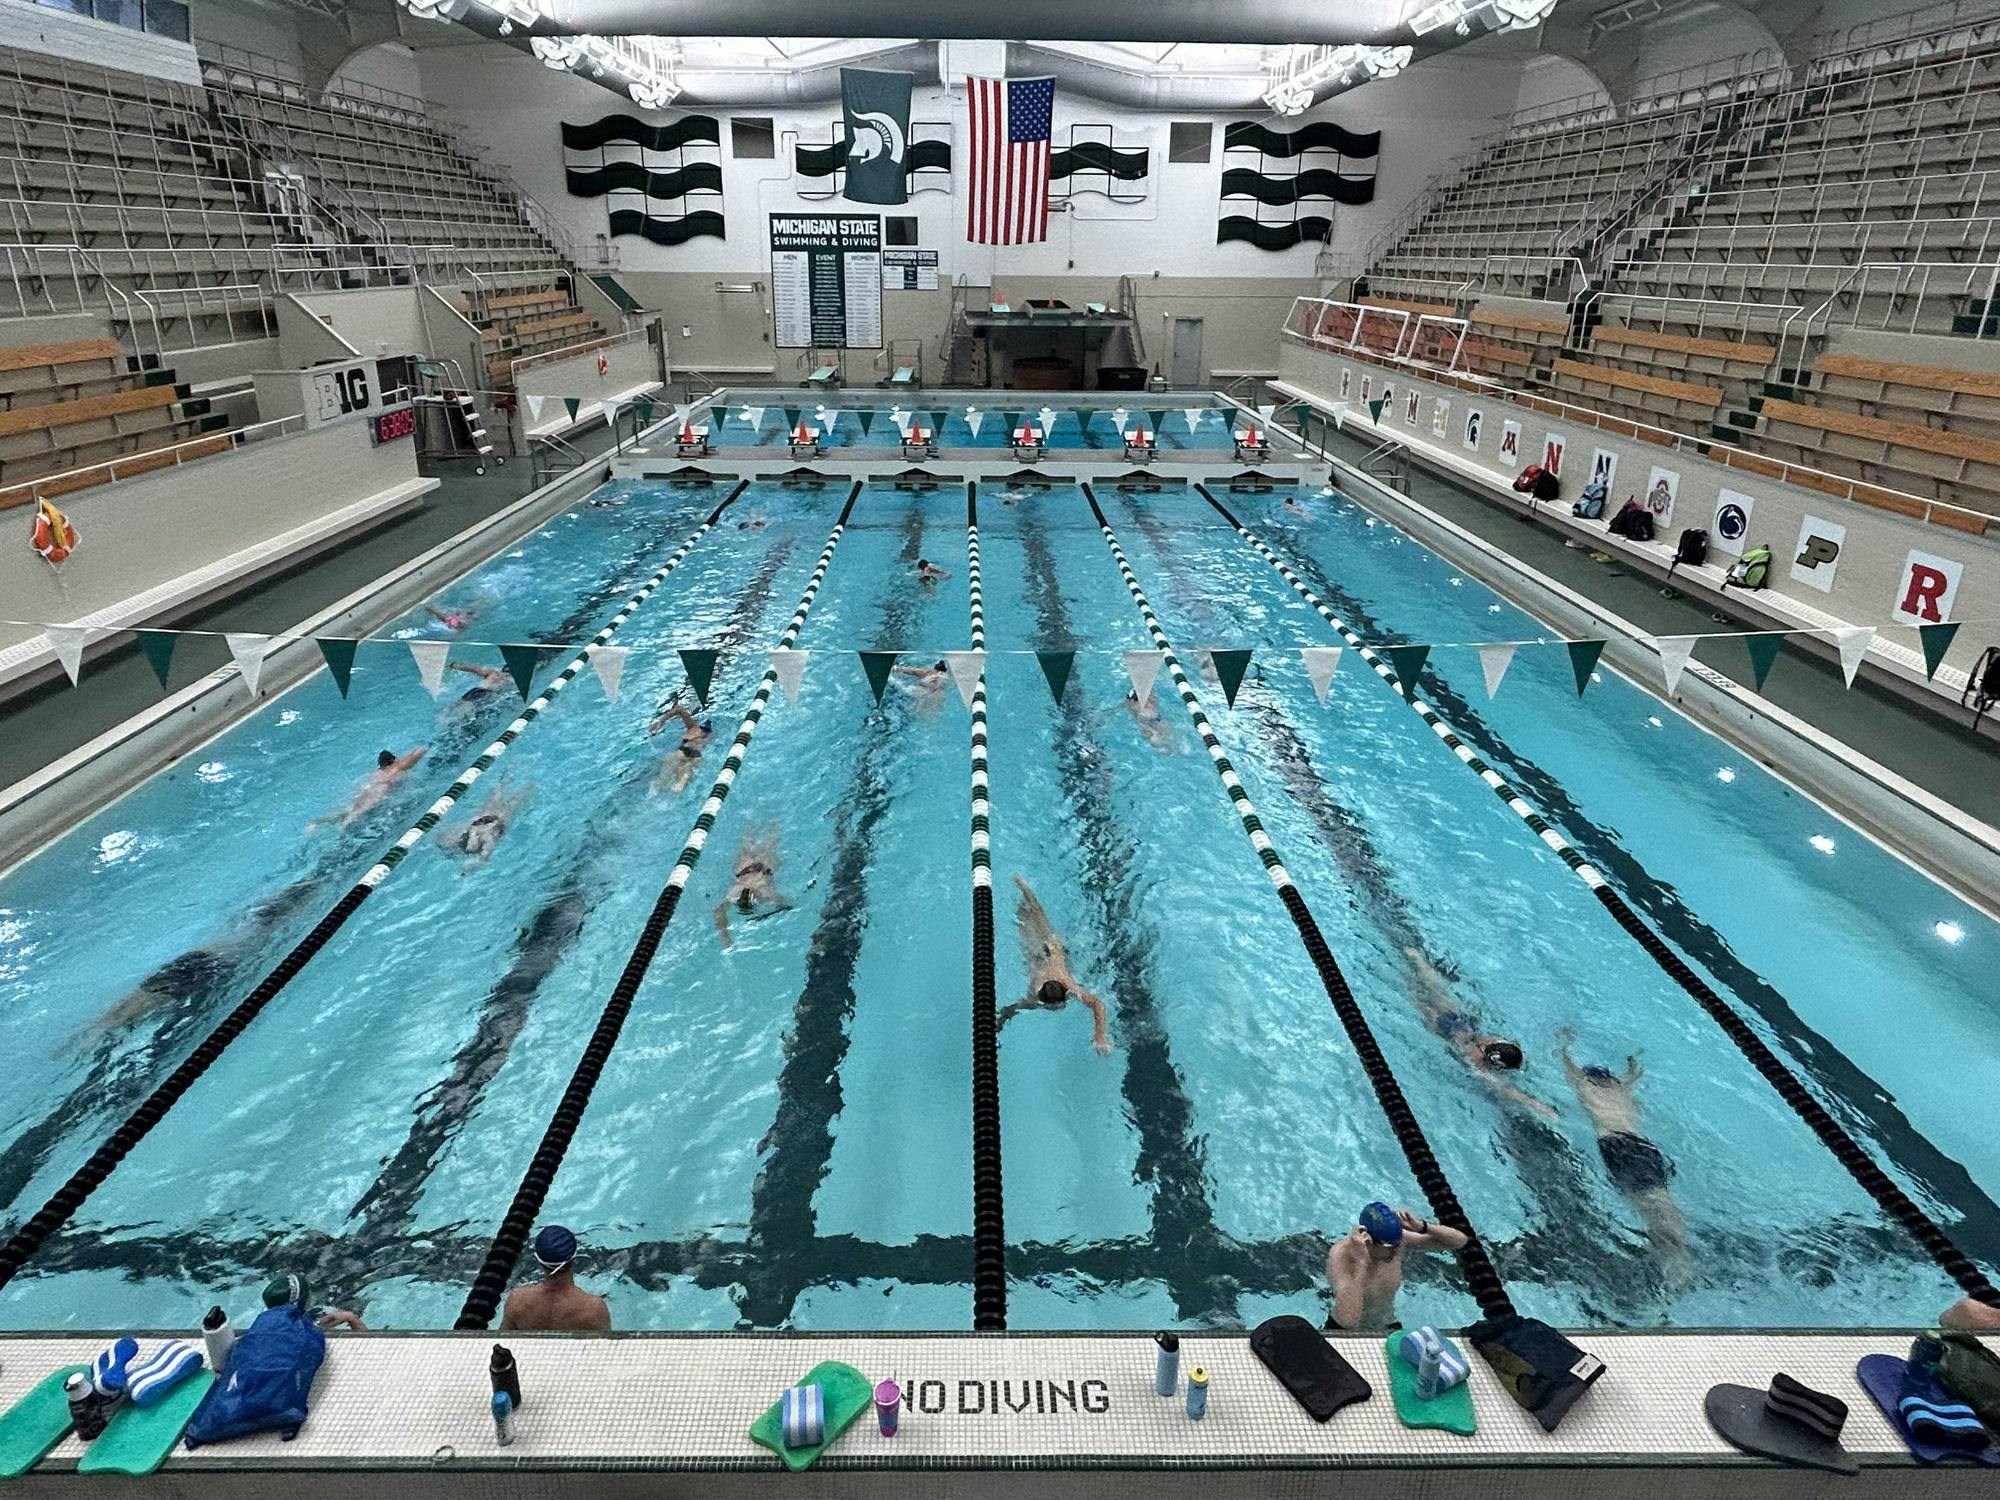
(1004, 1413)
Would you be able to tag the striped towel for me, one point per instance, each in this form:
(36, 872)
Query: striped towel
(802, 1416)
(1452, 1368)
(162, 1370)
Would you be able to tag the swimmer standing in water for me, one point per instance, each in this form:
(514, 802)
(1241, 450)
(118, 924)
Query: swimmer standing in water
(477, 840)
(677, 770)
(753, 880)
(929, 571)
(1051, 984)
(1487, 1055)
(390, 769)
(1637, 1167)
(1152, 723)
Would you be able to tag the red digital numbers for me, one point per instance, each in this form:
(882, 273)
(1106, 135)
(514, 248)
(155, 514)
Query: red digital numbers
(390, 425)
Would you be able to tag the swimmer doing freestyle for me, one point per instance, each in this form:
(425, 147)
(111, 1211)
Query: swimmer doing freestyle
(678, 768)
(753, 880)
(477, 840)
(1051, 983)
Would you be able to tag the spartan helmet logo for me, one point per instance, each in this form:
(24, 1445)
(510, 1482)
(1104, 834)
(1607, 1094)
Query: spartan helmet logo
(876, 135)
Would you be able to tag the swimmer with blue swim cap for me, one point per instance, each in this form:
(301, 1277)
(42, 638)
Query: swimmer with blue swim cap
(1365, 1267)
(555, 1304)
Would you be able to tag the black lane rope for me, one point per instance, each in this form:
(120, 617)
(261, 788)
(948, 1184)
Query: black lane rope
(484, 1298)
(88, 1177)
(1480, 1276)
(989, 1226)
(1873, 1180)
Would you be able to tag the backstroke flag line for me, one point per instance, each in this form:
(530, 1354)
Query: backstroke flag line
(875, 108)
(1011, 121)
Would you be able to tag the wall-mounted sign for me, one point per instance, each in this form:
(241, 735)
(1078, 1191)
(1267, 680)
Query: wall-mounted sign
(336, 391)
(1663, 487)
(1926, 588)
(1733, 510)
(909, 270)
(826, 280)
(1817, 557)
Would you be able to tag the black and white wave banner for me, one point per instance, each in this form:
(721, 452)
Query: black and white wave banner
(662, 183)
(1320, 162)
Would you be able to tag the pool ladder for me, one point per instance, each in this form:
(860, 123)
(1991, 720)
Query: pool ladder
(1388, 462)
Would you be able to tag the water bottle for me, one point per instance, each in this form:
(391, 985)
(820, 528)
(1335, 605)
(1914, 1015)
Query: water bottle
(503, 1419)
(1197, 1405)
(506, 1375)
(1427, 1374)
(1167, 1365)
(85, 1409)
(218, 1337)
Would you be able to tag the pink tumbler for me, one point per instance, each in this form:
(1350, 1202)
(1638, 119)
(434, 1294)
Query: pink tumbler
(888, 1403)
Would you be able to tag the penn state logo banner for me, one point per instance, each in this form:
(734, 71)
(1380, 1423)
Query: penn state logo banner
(876, 110)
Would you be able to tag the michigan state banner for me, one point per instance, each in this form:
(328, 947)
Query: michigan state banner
(876, 110)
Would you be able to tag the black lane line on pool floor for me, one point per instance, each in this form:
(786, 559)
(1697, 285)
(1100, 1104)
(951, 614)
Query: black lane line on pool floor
(798, 1147)
(484, 1297)
(1171, 1158)
(1546, 1162)
(88, 1177)
(388, 1205)
(198, 980)
(1873, 1180)
(989, 1216)
(1480, 1275)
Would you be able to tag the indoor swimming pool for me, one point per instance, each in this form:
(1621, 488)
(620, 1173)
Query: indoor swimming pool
(782, 1136)
(953, 424)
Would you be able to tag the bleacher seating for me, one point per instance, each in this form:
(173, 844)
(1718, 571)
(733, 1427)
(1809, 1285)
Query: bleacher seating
(75, 405)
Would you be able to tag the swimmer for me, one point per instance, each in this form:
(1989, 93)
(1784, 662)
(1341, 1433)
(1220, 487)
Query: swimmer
(1487, 1055)
(1051, 985)
(1969, 1313)
(456, 620)
(754, 879)
(1292, 505)
(677, 770)
(555, 1304)
(390, 769)
(927, 684)
(752, 523)
(1365, 1267)
(929, 572)
(491, 680)
(1152, 723)
(1637, 1167)
(478, 839)
(605, 503)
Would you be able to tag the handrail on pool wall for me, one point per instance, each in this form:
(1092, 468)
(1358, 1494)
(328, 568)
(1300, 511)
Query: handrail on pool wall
(512, 1236)
(1887, 1195)
(1480, 1275)
(105, 1159)
(989, 1229)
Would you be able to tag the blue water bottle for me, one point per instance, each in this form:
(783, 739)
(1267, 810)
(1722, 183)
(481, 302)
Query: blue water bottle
(503, 1419)
(1197, 1394)
(1167, 1366)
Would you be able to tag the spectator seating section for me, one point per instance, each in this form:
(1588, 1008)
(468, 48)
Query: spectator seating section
(523, 324)
(80, 404)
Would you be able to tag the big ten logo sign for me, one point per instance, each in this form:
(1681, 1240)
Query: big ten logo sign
(339, 392)
(1007, 1398)
(1926, 588)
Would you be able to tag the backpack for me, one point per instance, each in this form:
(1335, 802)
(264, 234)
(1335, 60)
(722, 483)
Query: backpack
(1541, 1369)
(1546, 486)
(1970, 1371)
(1529, 478)
(1751, 569)
(270, 1374)
(1590, 504)
(1693, 548)
(1633, 522)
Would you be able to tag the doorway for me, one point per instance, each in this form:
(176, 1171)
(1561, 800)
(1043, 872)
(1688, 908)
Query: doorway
(1186, 371)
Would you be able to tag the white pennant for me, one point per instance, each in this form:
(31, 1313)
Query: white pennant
(1265, 412)
(1674, 653)
(609, 664)
(965, 668)
(973, 418)
(791, 669)
(1494, 661)
(754, 415)
(1142, 667)
(430, 657)
(1321, 663)
(1048, 416)
(535, 404)
(1853, 642)
(902, 420)
(1193, 415)
(248, 652)
(69, 641)
(1118, 416)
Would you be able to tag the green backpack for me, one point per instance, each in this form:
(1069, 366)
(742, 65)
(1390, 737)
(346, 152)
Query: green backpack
(1751, 569)
(1971, 1372)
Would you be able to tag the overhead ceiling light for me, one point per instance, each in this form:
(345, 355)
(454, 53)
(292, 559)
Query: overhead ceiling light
(428, 10)
(1453, 13)
(1521, 15)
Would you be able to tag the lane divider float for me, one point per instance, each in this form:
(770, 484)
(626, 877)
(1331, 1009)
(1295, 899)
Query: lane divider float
(989, 1232)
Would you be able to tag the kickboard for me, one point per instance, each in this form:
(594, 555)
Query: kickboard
(1450, 1410)
(140, 1437)
(35, 1424)
(1881, 1376)
(848, 1395)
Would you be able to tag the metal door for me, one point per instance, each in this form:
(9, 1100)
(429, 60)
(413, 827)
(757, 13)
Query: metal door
(1187, 352)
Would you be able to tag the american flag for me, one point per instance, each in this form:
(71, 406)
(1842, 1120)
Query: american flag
(1011, 122)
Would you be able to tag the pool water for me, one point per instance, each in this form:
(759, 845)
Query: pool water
(782, 1136)
(957, 425)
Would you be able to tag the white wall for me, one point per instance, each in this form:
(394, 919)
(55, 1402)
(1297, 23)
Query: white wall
(387, 65)
(1700, 37)
(266, 27)
(55, 33)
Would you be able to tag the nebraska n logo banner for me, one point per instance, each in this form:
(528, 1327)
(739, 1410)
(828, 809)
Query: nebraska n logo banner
(1011, 119)
(875, 107)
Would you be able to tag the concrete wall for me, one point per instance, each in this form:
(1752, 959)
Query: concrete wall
(380, 322)
(141, 533)
(628, 366)
(55, 33)
(305, 339)
(1867, 580)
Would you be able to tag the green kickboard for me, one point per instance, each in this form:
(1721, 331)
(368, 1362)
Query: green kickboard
(140, 1437)
(1450, 1410)
(848, 1395)
(35, 1424)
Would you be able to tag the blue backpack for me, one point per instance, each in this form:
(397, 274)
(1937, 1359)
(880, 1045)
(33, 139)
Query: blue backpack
(1590, 504)
(264, 1386)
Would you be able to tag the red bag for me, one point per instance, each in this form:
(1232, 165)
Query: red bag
(1529, 477)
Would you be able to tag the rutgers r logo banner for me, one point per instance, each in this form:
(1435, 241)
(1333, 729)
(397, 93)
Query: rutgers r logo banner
(1926, 589)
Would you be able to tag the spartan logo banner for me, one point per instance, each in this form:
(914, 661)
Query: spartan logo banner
(876, 108)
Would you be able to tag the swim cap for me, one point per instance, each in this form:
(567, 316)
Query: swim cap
(707, 726)
(1502, 1054)
(1053, 992)
(555, 1247)
(290, 1287)
(385, 759)
(941, 665)
(1382, 1225)
(923, 562)
(744, 900)
(1597, 1073)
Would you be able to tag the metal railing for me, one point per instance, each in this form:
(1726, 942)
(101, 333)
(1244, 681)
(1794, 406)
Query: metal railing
(29, 491)
(1916, 296)
(570, 351)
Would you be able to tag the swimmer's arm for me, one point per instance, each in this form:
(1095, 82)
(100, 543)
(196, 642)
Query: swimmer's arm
(1008, 1012)
(339, 1317)
(913, 671)
(1634, 1069)
(1100, 1035)
(1512, 1095)
(1435, 1236)
(722, 919)
(1349, 1309)
(405, 762)
(670, 712)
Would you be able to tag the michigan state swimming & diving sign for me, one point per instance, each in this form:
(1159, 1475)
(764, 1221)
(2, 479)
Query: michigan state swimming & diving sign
(826, 280)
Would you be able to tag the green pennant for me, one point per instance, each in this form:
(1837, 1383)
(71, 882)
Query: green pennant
(877, 665)
(572, 405)
(792, 417)
(1408, 662)
(1375, 408)
(700, 668)
(1084, 416)
(1158, 419)
(1055, 667)
(644, 407)
(866, 417)
(522, 661)
(1229, 669)
(339, 654)
(159, 648)
(1936, 641)
(1583, 661)
(1763, 649)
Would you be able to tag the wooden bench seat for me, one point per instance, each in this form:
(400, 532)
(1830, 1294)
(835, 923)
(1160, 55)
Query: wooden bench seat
(1728, 351)
(55, 415)
(1414, 309)
(1877, 429)
(57, 356)
(1917, 377)
(1628, 380)
(1482, 317)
